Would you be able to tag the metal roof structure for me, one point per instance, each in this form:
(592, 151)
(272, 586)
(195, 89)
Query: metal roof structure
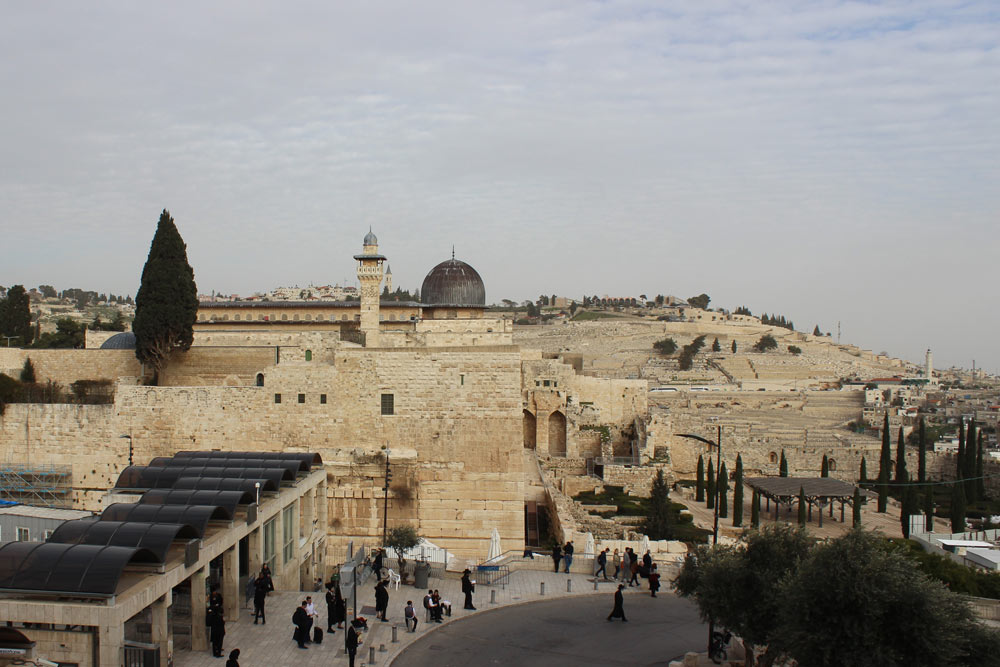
(227, 500)
(309, 459)
(196, 516)
(292, 467)
(49, 567)
(164, 477)
(120, 341)
(45, 512)
(157, 537)
(786, 488)
(453, 283)
(248, 485)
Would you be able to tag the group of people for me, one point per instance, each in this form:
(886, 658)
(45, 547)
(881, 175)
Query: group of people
(565, 553)
(257, 589)
(436, 607)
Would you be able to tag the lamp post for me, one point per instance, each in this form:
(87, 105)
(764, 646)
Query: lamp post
(129, 447)
(385, 510)
(718, 466)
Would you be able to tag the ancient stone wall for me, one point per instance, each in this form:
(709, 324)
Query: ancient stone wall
(68, 366)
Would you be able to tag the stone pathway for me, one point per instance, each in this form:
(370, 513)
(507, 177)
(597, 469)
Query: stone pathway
(271, 645)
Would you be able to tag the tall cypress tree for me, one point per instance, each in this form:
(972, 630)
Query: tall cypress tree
(960, 461)
(783, 466)
(980, 481)
(166, 304)
(723, 488)
(885, 460)
(15, 315)
(824, 469)
(802, 506)
(901, 473)
(922, 460)
(699, 485)
(755, 509)
(856, 508)
(908, 507)
(958, 507)
(738, 493)
(863, 472)
(929, 510)
(710, 486)
(969, 462)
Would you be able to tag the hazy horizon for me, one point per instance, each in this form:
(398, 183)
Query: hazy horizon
(828, 162)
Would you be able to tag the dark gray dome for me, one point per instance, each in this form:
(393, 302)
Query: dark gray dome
(453, 283)
(120, 341)
(370, 239)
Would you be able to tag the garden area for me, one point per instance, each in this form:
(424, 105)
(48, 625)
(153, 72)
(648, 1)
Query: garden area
(676, 525)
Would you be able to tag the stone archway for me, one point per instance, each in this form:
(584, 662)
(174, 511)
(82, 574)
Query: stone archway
(530, 426)
(557, 434)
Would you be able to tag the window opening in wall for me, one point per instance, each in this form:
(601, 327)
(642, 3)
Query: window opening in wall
(538, 383)
(555, 384)
(343, 317)
(545, 383)
(388, 404)
(295, 318)
(260, 379)
(322, 399)
(270, 535)
(302, 398)
(277, 398)
(309, 355)
(308, 318)
(23, 534)
(461, 378)
(236, 317)
(284, 317)
(288, 533)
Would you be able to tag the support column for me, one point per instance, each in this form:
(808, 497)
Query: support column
(231, 583)
(821, 515)
(199, 633)
(255, 551)
(841, 511)
(111, 641)
(160, 630)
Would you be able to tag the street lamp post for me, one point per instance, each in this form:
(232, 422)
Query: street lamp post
(718, 466)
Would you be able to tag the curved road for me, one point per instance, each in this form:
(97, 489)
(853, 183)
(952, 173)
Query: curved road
(568, 631)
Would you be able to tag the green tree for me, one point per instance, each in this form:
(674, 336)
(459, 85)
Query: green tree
(883, 467)
(901, 473)
(532, 310)
(658, 524)
(710, 486)
(740, 586)
(980, 479)
(401, 539)
(738, 493)
(795, 349)
(700, 301)
(666, 347)
(929, 510)
(755, 510)
(863, 472)
(856, 601)
(958, 507)
(969, 462)
(48, 291)
(856, 508)
(723, 486)
(922, 452)
(766, 343)
(699, 485)
(28, 372)
(802, 506)
(167, 300)
(69, 334)
(816, 331)
(908, 507)
(733, 346)
(715, 345)
(15, 315)
(783, 466)
(824, 469)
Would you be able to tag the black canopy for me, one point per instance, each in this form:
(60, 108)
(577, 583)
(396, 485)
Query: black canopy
(165, 477)
(306, 460)
(157, 537)
(196, 516)
(228, 500)
(226, 484)
(291, 468)
(81, 569)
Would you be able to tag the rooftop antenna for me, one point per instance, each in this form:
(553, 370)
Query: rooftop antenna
(453, 252)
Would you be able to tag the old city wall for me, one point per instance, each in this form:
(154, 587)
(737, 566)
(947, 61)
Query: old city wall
(68, 366)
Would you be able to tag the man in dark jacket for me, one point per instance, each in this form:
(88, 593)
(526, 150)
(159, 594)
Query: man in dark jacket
(351, 641)
(381, 600)
(301, 620)
(468, 587)
(259, 598)
(619, 609)
(556, 556)
(568, 555)
(602, 565)
(377, 564)
(217, 629)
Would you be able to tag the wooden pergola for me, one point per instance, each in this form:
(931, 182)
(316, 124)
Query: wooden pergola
(819, 492)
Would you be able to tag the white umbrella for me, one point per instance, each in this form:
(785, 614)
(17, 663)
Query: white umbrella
(644, 545)
(589, 550)
(495, 550)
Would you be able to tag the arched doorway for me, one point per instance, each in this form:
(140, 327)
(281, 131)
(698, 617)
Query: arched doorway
(557, 434)
(529, 430)
(260, 379)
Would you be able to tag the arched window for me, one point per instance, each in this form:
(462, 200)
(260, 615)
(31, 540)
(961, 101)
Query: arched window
(260, 379)
(295, 318)
(343, 317)
(309, 355)
(284, 316)
(831, 465)
(772, 457)
(308, 317)
(236, 317)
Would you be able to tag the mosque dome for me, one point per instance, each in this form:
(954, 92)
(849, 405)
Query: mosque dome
(120, 341)
(370, 238)
(453, 283)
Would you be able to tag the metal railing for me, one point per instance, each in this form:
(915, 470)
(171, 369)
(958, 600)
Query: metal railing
(616, 460)
(493, 575)
(142, 655)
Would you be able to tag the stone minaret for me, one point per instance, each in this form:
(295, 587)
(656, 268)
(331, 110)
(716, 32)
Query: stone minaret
(388, 277)
(929, 366)
(370, 267)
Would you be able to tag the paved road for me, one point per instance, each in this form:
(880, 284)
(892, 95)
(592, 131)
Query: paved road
(565, 632)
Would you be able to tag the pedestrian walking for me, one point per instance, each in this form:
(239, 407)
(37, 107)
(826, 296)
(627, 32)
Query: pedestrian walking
(468, 587)
(619, 609)
(233, 660)
(351, 641)
(616, 558)
(331, 607)
(259, 598)
(339, 607)
(634, 566)
(265, 572)
(647, 563)
(654, 580)
(301, 620)
(217, 629)
(568, 555)
(377, 564)
(381, 600)
(602, 565)
(556, 556)
(410, 616)
(312, 616)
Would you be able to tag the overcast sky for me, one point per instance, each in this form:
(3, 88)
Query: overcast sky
(824, 161)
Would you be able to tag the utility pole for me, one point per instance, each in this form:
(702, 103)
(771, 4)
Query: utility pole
(385, 510)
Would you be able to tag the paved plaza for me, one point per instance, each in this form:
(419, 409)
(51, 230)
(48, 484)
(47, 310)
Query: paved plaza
(271, 645)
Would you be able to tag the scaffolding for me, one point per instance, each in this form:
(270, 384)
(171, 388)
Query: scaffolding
(45, 485)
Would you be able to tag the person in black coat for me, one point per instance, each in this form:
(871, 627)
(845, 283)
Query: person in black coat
(339, 608)
(619, 610)
(259, 598)
(602, 564)
(301, 620)
(331, 608)
(556, 555)
(351, 641)
(217, 629)
(381, 600)
(233, 660)
(377, 564)
(468, 587)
